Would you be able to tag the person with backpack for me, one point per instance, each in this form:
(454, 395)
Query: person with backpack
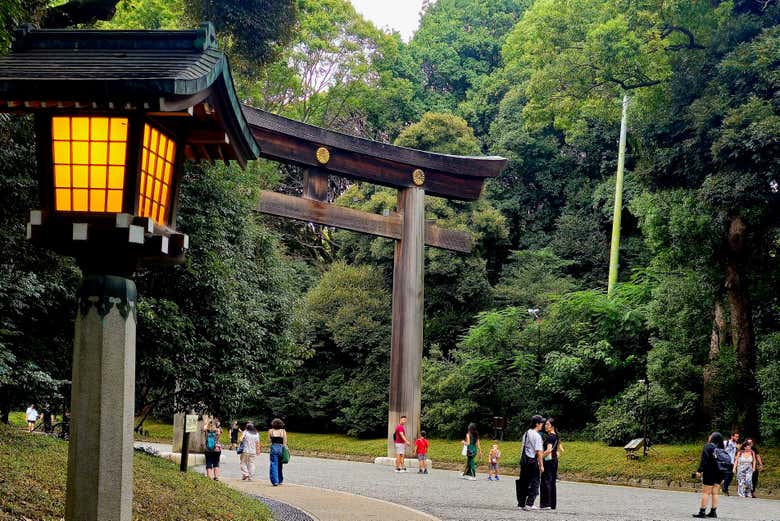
(213, 448)
(531, 465)
(715, 462)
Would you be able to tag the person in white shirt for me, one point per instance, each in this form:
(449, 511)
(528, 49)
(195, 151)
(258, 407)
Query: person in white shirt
(250, 448)
(531, 465)
(32, 417)
(731, 447)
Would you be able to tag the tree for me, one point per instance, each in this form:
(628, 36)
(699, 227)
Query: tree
(343, 383)
(255, 29)
(732, 148)
(316, 77)
(533, 279)
(458, 42)
(37, 287)
(213, 328)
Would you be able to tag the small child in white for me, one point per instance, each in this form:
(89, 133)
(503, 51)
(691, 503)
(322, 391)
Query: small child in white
(493, 459)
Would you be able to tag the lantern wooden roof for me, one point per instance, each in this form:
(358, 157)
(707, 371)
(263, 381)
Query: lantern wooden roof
(161, 73)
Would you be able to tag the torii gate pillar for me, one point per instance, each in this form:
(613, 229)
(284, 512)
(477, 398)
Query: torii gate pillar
(407, 332)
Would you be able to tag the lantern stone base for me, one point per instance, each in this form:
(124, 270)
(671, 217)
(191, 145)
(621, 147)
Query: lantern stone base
(100, 452)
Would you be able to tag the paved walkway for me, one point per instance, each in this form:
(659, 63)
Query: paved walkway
(443, 495)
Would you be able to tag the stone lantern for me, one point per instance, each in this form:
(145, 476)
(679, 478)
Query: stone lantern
(116, 115)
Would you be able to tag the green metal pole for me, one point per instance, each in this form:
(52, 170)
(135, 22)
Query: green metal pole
(615, 249)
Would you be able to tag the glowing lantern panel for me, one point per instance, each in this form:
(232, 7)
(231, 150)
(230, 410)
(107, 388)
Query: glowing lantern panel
(89, 156)
(157, 160)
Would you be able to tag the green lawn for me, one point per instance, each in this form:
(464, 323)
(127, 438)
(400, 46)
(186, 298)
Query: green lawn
(33, 477)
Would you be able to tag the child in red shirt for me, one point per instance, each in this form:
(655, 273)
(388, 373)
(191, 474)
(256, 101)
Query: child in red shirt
(421, 448)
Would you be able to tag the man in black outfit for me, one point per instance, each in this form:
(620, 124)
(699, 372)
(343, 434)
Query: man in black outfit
(531, 465)
(47, 417)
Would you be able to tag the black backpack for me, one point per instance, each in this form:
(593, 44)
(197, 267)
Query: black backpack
(723, 460)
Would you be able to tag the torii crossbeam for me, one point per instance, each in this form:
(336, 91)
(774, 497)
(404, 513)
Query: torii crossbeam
(413, 173)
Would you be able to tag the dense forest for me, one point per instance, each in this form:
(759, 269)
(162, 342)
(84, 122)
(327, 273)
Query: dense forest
(268, 317)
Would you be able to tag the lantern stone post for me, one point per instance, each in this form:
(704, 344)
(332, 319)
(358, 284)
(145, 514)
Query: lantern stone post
(100, 453)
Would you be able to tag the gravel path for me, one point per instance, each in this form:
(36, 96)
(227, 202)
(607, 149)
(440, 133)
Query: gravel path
(444, 495)
(441, 493)
(285, 512)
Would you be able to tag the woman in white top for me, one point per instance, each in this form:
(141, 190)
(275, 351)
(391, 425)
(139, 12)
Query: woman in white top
(744, 465)
(277, 436)
(32, 417)
(250, 445)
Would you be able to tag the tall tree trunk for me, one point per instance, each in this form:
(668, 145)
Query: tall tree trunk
(716, 338)
(5, 410)
(747, 397)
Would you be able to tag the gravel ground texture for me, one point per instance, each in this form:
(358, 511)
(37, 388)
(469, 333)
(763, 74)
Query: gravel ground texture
(443, 494)
(285, 512)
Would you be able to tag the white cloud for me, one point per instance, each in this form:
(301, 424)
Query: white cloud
(400, 15)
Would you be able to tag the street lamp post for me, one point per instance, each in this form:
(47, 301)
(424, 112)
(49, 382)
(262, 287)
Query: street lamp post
(116, 114)
(536, 314)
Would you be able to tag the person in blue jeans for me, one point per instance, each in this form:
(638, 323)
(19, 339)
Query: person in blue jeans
(278, 439)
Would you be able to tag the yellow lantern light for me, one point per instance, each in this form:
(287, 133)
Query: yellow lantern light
(89, 157)
(157, 159)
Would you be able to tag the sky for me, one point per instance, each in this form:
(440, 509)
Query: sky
(401, 15)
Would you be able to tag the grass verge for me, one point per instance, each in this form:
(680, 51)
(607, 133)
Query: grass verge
(33, 476)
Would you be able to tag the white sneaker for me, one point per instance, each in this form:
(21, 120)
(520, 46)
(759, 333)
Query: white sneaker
(532, 507)
(471, 478)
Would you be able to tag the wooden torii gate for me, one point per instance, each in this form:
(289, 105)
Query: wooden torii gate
(413, 173)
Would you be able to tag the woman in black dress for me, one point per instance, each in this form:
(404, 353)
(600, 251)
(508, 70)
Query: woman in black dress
(711, 476)
(548, 498)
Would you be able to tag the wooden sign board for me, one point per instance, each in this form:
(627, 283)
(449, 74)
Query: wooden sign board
(191, 423)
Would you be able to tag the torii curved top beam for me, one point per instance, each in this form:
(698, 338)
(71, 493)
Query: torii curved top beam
(289, 141)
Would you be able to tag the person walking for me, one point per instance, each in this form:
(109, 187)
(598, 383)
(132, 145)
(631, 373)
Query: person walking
(531, 465)
(473, 450)
(548, 498)
(250, 450)
(277, 436)
(758, 468)
(234, 430)
(32, 417)
(744, 465)
(213, 448)
(401, 442)
(711, 475)
(731, 448)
